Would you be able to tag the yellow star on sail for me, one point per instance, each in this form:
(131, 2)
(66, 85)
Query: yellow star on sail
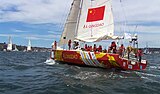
(90, 11)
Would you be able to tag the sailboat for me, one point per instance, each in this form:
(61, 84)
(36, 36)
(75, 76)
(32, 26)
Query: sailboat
(146, 50)
(15, 48)
(29, 46)
(92, 21)
(9, 46)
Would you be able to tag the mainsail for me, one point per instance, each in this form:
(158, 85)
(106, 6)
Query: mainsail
(9, 46)
(71, 23)
(89, 21)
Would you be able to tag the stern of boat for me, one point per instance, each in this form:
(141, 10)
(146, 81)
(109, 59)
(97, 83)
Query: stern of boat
(132, 64)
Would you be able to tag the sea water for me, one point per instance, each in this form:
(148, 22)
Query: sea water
(29, 73)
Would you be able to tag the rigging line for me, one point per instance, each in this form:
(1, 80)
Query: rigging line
(66, 18)
(134, 32)
(125, 21)
(62, 25)
(125, 17)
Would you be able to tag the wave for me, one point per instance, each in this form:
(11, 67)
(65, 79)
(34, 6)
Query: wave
(50, 62)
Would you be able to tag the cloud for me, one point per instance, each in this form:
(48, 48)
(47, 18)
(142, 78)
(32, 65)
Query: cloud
(43, 15)
(54, 11)
(18, 31)
(33, 36)
(137, 10)
(33, 11)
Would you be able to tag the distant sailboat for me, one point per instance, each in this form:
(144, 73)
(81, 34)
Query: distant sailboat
(9, 46)
(29, 46)
(146, 49)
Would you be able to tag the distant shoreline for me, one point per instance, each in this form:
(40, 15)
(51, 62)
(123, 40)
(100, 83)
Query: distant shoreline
(22, 48)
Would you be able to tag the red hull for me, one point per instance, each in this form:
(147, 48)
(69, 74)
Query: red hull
(97, 59)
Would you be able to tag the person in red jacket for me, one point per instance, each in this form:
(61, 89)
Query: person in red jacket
(121, 50)
(100, 48)
(94, 48)
(139, 54)
(55, 45)
(85, 47)
(113, 47)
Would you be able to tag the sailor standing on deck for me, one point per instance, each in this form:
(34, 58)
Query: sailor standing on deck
(94, 48)
(54, 45)
(121, 50)
(113, 47)
(139, 54)
(129, 50)
(69, 44)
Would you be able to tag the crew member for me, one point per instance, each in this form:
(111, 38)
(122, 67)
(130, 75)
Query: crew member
(129, 49)
(76, 45)
(55, 45)
(100, 48)
(121, 50)
(113, 47)
(69, 44)
(139, 54)
(85, 47)
(94, 48)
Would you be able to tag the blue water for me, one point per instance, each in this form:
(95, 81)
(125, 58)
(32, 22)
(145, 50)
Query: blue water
(26, 73)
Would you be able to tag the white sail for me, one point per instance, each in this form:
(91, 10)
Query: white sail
(96, 21)
(29, 46)
(9, 46)
(71, 23)
(15, 48)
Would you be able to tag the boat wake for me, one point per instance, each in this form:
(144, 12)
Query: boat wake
(86, 75)
(148, 74)
(50, 62)
(154, 67)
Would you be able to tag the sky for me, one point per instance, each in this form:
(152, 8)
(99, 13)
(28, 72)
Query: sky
(42, 21)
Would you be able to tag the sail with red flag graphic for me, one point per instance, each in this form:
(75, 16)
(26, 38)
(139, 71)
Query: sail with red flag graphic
(89, 21)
